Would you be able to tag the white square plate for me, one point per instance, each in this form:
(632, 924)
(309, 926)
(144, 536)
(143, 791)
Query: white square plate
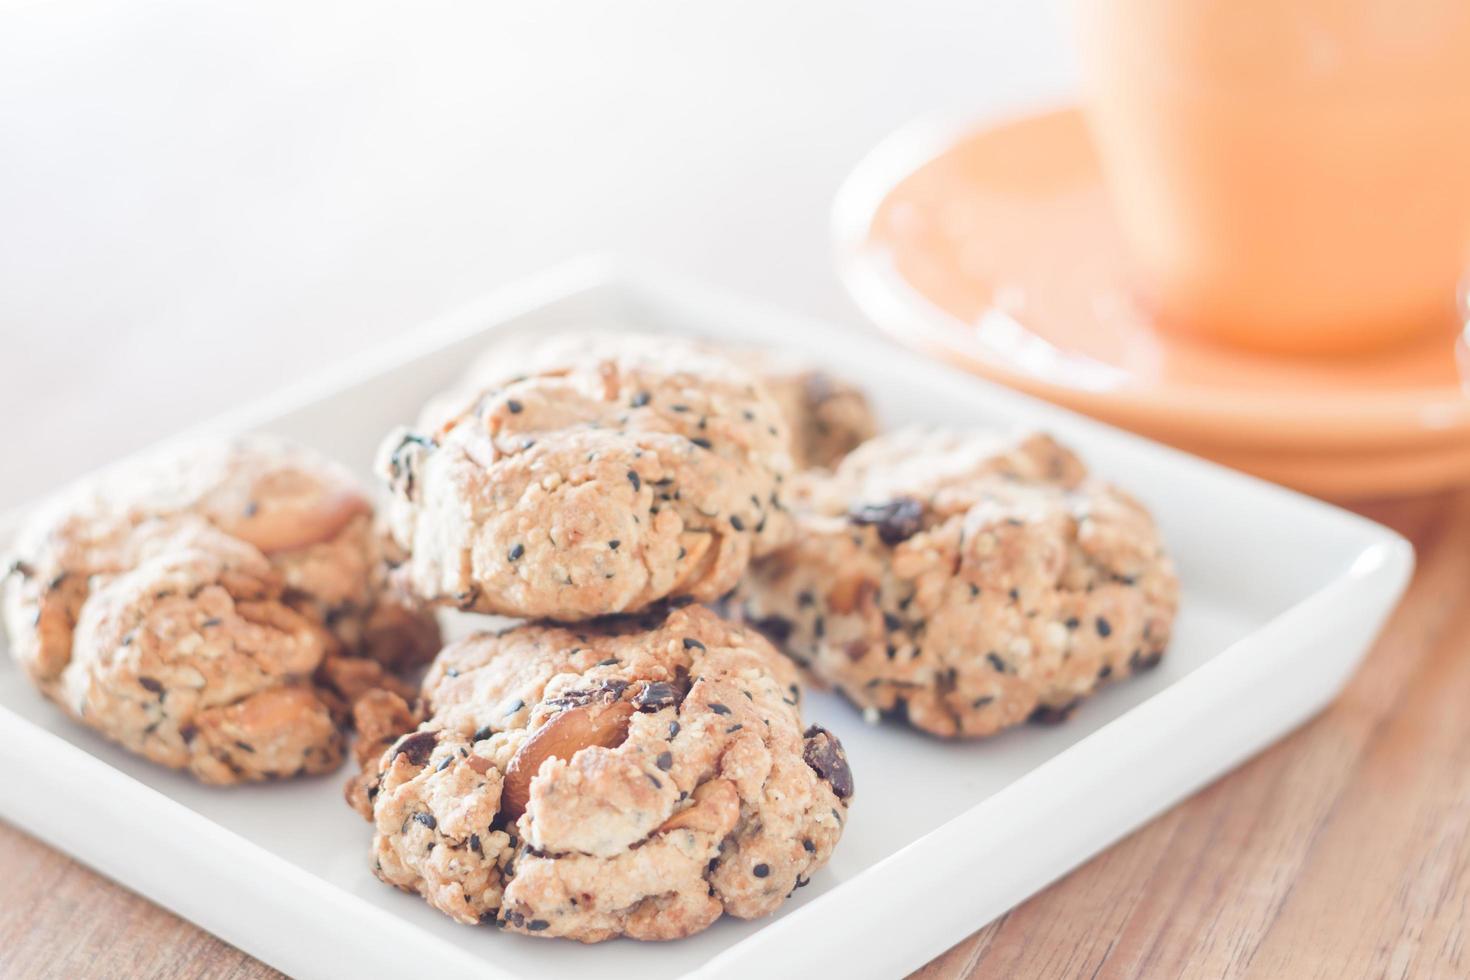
(1282, 596)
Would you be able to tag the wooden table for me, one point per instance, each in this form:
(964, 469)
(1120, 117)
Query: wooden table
(1344, 850)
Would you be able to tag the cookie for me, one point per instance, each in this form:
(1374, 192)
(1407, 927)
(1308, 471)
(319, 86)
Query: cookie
(827, 416)
(214, 607)
(966, 581)
(597, 478)
(634, 777)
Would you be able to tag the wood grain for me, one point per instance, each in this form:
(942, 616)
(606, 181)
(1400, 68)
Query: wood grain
(1343, 850)
(59, 920)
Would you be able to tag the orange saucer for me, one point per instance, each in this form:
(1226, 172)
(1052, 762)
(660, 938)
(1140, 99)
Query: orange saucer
(995, 247)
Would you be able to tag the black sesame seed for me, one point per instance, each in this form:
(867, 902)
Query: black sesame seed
(761, 870)
(445, 764)
(776, 628)
(1015, 595)
(701, 442)
(610, 661)
(996, 662)
(673, 728)
(819, 628)
(892, 623)
(654, 780)
(1104, 628)
(475, 843)
(514, 706)
(427, 819)
(633, 479)
(536, 925)
(483, 733)
(244, 746)
(1073, 622)
(665, 761)
(811, 848)
(514, 406)
(733, 729)
(640, 399)
(974, 590)
(736, 522)
(149, 684)
(516, 552)
(692, 644)
(613, 544)
(981, 701)
(804, 599)
(718, 708)
(1105, 672)
(211, 621)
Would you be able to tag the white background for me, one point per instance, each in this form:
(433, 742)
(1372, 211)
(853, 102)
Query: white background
(200, 202)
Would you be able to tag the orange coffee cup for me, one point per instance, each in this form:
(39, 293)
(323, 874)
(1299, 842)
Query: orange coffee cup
(1290, 175)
